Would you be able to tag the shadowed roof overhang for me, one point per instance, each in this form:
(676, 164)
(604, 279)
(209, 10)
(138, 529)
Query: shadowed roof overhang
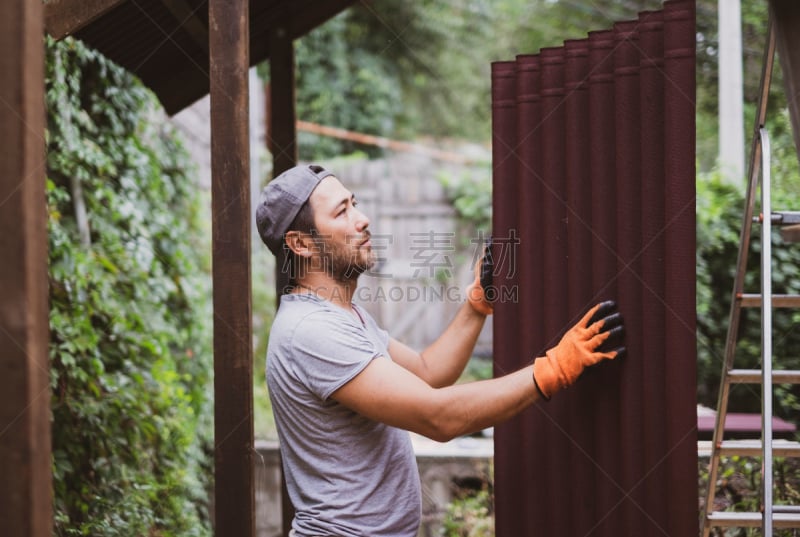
(165, 42)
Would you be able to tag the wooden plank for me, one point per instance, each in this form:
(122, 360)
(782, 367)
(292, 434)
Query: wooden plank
(750, 300)
(65, 17)
(380, 141)
(791, 233)
(230, 205)
(25, 456)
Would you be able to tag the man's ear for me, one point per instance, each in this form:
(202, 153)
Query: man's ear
(300, 243)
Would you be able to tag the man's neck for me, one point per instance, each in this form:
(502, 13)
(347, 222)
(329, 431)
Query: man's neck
(339, 293)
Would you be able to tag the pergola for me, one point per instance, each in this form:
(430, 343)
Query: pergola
(182, 50)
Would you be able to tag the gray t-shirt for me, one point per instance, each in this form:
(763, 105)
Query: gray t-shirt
(347, 476)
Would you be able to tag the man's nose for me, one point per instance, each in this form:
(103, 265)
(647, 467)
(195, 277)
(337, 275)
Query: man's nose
(362, 222)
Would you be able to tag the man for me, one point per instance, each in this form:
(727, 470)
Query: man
(344, 393)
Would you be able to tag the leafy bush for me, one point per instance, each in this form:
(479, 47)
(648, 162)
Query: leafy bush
(471, 515)
(130, 355)
(471, 195)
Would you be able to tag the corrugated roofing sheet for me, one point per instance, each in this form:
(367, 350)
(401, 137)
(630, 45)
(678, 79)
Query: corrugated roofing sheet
(593, 164)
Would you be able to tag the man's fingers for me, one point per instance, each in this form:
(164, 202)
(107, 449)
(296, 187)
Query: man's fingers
(611, 322)
(487, 266)
(598, 312)
(611, 337)
(616, 338)
(619, 352)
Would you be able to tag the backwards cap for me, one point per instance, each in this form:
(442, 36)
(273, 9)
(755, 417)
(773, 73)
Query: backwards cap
(281, 200)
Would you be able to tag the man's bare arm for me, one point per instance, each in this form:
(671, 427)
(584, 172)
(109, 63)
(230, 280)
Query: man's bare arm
(445, 359)
(389, 393)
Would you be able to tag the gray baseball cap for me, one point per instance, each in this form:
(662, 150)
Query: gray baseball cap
(281, 200)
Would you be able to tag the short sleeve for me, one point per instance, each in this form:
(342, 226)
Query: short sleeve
(329, 351)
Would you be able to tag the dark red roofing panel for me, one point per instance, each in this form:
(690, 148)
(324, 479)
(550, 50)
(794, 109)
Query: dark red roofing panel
(594, 175)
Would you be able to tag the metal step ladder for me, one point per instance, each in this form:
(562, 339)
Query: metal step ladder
(770, 516)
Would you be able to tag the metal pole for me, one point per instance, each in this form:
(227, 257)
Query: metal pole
(766, 334)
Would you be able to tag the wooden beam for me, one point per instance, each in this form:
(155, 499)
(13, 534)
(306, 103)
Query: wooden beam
(189, 22)
(230, 206)
(65, 17)
(306, 17)
(25, 455)
(295, 18)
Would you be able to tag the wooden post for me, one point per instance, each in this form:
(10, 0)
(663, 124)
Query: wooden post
(25, 458)
(282, 120)
(282, 143)
(282, 132)
(230, 207)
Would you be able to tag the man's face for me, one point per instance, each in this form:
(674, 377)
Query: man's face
(343, 246)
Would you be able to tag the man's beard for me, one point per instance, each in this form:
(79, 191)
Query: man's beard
(344, 262)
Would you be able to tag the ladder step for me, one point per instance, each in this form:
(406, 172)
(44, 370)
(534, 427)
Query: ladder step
(752, 448)
(753, 376)
(781, 218)
(749, 300)
(731, 519)
(786, 508)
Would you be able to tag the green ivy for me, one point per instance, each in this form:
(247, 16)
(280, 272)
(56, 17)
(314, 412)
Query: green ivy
(471, 195)
(130, 343)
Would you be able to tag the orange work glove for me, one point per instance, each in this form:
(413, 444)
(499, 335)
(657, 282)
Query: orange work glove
(582, 346)
(479, 294)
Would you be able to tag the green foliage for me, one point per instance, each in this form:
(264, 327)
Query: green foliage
(410, 69)
(130, 356)
(471, 515)
(738, 488)
(478, 368)
(340, 83)
(471, 195)
(719, 221)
